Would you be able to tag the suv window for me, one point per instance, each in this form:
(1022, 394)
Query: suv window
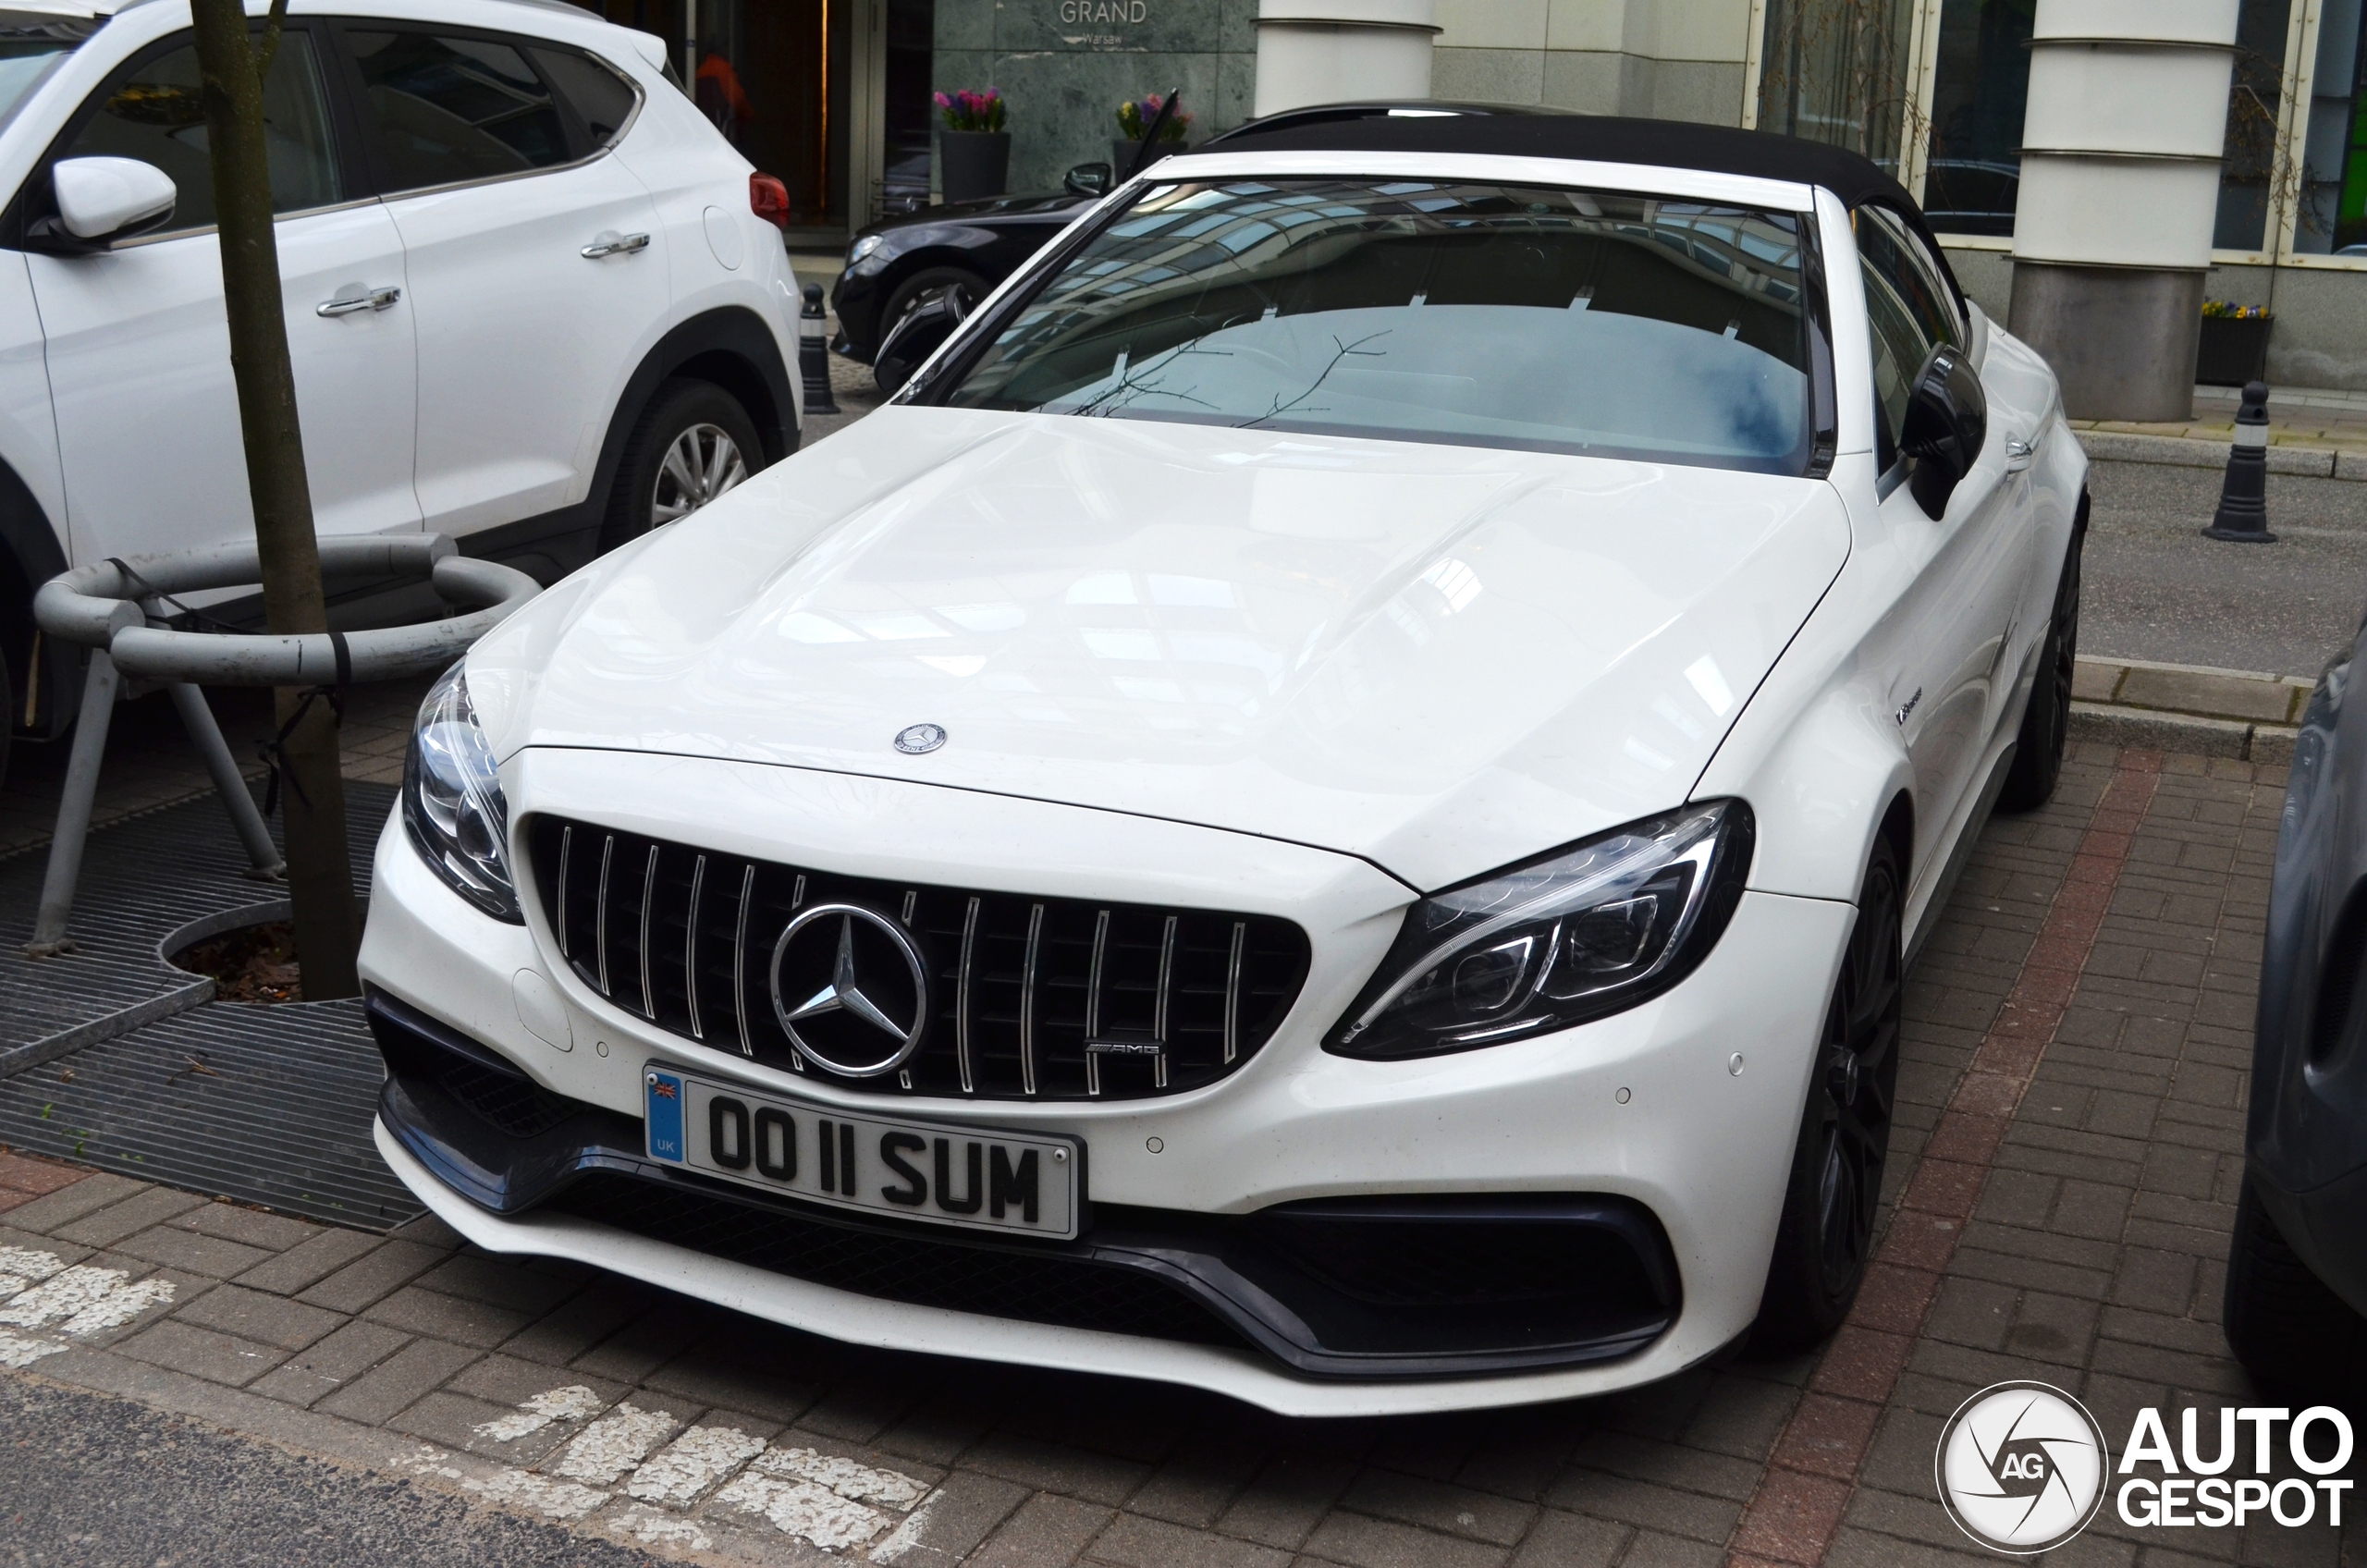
(602, 100)
(443, 110)
(153, 112)
(1426, 310)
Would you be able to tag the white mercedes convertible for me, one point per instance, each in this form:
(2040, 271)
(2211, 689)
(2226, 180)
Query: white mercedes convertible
(1330, 805)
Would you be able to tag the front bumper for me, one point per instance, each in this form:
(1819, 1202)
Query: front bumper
(1640, 1113)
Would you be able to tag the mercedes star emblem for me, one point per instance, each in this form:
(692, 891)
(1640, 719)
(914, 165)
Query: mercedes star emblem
(917, 740)
(863, 989)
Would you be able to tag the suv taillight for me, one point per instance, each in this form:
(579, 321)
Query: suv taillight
(768, 199)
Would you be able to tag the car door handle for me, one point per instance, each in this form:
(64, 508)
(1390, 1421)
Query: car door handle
(615, 244)
(2018, 454)
(346, 304)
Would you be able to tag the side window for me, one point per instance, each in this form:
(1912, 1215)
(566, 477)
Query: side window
(1898, 255)
(153, 112)
(602, 98)
(1900, 346)
(442, 111)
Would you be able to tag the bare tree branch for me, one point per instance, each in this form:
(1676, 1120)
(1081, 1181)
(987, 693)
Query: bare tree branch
(1357, 349)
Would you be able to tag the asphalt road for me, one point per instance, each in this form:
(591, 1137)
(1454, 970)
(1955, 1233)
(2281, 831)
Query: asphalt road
(2156, 589)
(99, 1483)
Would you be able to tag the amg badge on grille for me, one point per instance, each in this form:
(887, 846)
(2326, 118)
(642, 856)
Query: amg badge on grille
(915, 739)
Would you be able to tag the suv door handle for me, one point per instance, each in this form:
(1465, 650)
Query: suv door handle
(2018, 454)
(611, 243)
(346, 304)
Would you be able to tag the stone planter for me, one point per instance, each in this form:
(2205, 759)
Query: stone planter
(2233, 352)
(1122, 154)
(973, 165)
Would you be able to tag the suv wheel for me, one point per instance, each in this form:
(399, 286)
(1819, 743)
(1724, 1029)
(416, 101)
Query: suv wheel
(2282, 1321)
(1826, 1235)
(691, 445)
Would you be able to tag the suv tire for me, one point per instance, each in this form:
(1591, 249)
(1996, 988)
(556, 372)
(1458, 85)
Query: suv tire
(1826, 1238)
(2282, 1321)
(694, 423)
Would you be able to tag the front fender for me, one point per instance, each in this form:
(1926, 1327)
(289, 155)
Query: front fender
(1817, 751)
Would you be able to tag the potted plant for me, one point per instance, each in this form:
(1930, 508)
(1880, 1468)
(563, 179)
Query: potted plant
(1136, 117)
(972, 148)
(2233, 346)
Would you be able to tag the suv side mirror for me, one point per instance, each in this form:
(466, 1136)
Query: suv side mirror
(1090, 179)
(101, 200)
(1947, 420)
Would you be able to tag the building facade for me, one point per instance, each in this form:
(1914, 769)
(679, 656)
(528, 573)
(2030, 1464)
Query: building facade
(833, 95)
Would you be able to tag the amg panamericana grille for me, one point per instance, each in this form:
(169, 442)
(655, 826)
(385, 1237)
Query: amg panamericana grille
(1019, 986)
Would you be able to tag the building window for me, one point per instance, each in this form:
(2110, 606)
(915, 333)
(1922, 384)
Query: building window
(1837, 71)
(1980, 87)
(2333, 217)
(2248, 166)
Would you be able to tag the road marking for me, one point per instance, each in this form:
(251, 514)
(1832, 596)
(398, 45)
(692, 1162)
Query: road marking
(573, 1402)
(693, 1463)
(557, 1499)
(802, 1508)
(17, 1352)
(906, 1534)
(603, 1452)
(649, 1527)
(859, 1483)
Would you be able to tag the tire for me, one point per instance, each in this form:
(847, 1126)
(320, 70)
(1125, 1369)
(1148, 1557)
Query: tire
(2282, 1321)
(1826, 1238)
(683, 417)
(2046, 722)
(967, 286)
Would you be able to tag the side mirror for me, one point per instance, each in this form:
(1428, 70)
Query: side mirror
(1090, 179)
(915, 336)
(101, 200)
(1947, 420)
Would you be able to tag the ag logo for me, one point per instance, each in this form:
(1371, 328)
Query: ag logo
(2021, 1467)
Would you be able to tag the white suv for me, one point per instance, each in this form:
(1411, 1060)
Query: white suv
(535, 301)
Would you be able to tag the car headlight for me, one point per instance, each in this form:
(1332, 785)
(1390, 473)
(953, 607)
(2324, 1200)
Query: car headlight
(863, 246)
(1585, 931)
(452, 803)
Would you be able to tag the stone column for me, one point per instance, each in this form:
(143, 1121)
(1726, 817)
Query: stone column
(2120, 185)
(1339, 51)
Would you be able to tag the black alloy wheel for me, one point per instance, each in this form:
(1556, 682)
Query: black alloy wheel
(963, 286)
(1826, 1236)
(2046, 722)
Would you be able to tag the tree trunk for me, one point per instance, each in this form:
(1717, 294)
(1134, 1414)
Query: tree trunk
(320, 877)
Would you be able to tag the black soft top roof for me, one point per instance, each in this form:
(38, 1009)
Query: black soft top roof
(1506, 131)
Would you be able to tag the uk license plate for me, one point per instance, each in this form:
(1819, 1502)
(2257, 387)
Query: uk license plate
(911, 1169)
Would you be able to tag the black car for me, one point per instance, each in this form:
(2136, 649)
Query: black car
(2296, 1270)
(958, 253)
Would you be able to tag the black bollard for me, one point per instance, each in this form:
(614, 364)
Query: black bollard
(2242, 516)
(814, 354)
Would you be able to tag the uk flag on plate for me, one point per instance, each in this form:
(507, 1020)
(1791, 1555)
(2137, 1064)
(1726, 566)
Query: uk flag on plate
(665, 1116)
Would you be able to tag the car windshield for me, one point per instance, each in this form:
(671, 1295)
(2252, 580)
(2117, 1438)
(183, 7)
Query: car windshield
(1575, 321)
(32, 42)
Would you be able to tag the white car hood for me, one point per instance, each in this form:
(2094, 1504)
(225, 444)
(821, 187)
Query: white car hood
(1440, 658)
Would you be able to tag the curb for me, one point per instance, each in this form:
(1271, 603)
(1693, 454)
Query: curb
(2178, 451)
(2150, 730)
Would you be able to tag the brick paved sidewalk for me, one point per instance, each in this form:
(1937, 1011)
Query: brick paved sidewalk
(2094, 973)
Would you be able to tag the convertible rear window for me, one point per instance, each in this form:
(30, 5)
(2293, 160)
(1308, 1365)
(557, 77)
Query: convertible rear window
(1580, 320)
